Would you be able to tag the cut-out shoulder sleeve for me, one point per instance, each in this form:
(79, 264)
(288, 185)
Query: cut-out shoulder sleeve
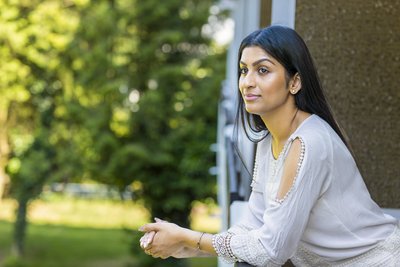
(291, 169)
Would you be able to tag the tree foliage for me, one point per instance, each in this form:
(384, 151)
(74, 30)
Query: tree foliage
(178, 78)
(31, 46)
(120, 92)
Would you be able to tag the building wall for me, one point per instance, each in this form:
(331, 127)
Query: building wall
(356, 47)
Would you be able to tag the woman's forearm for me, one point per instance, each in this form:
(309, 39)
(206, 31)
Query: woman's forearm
(187, 252)
(202, 243)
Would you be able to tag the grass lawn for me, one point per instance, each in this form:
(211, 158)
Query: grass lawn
(66, 232)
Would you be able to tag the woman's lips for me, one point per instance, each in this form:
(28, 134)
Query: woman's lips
(251, 97)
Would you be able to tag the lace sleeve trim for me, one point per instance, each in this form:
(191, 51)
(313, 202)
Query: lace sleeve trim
(250, 249)
(241, 248)
(222, 246)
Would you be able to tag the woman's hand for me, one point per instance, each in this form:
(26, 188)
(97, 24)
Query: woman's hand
(163, 239)
(147, 238)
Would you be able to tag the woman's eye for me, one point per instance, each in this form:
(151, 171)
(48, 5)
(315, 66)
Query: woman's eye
(262, 70)
(243, 71)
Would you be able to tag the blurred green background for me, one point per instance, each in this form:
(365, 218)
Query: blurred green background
(112, 95)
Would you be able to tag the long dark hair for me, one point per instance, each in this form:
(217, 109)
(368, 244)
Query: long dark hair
(288, 48)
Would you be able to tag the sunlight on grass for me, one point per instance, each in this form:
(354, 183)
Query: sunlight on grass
(80, 212)
(105, 214)
(205, 217)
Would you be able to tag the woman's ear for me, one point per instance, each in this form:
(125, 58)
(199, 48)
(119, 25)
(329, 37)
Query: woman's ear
(295, 84)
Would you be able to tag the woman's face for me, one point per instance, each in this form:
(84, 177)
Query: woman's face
(262, 82)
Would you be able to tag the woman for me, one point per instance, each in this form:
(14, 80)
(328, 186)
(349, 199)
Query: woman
(308, 202)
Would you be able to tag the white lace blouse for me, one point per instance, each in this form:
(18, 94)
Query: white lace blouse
(327, 216)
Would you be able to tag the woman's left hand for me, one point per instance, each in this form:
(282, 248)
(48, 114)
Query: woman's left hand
(167, 240)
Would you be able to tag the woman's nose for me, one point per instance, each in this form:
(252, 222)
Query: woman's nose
(249, 80)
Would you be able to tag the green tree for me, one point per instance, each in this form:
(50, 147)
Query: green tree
(120, 92)
(150, 84)
(178, 76)
(34, 35)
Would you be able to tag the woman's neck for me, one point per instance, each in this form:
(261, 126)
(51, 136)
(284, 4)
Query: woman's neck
(281, 124)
